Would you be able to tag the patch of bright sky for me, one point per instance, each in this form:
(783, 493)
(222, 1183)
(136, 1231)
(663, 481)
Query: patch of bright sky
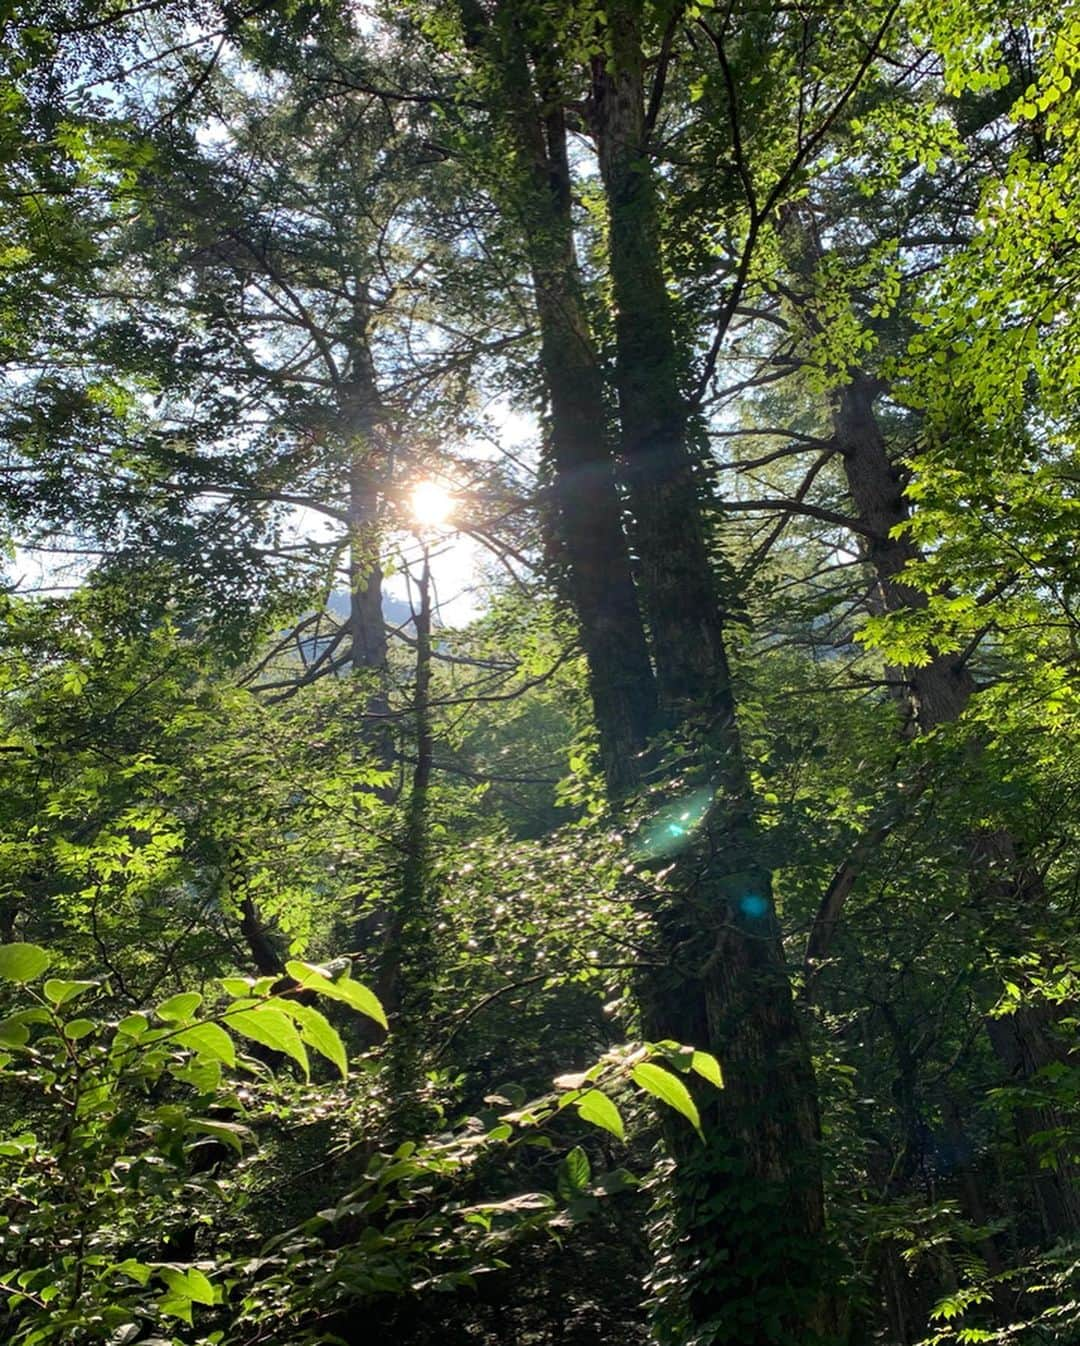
(462, 568)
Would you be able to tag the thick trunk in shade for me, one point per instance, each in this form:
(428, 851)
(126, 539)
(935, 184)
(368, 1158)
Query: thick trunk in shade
(586, 508)
(407, 971)
(744, 1256)
(361, 413)
(675, 565)
(748, 1209)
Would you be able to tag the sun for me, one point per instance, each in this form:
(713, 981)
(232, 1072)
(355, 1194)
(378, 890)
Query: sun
(431, 504)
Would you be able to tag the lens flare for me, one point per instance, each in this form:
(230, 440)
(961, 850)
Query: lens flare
(673, 826)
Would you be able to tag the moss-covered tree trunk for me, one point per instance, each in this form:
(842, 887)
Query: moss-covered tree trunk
(586, 511)
(748, 1213)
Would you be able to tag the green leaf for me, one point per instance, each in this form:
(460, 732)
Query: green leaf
(22, 962)
(708, 1067)
(231, 1133)
(138, 1271)
(268, 1025)
(574, 1174)
(669, 1089)
(353, 993)
(13, 1032)
(202, 1073)
(175, 1306)
(60, 992)
(317, 1031)
(598, 1110)
(22, 1144)
(75, 1029)
(191, 1285)
(209, 1040)
(179, 1008)
(133, 1025)
(363, 1000)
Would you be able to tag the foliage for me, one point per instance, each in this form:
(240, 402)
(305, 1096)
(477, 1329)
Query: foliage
(130, 1160)
(302, 910)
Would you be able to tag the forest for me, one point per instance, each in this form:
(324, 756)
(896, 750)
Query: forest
(539, 672)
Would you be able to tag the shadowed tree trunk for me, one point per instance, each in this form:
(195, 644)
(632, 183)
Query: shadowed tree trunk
(407, 970)
(362, 415)
(937, 693)
(675, 569)
(748, 1206)
(586, 513)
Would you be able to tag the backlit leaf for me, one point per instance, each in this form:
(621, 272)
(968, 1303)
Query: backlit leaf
(668, 1088)
(22, 962)
(598, 1110)
(268, 1025)
(351, 992)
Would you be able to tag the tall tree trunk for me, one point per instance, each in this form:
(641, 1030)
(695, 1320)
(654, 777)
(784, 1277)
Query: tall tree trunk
(361, 416)
(405, 981)
(940, 690)
(361, 412)
(675, 565)
(586, 509)
(748, 1206)
(407, 974)
(938, 693)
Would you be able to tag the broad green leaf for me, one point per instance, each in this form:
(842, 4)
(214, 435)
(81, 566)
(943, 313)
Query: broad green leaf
(22, 962)
(176, 1306)
(75, 1029)
(574, 1174)
(21, 1144)
(179, 1008)
(60, 992)
(231, 1133)
(268, 1025)
(708, 1067)
(317, 1031)
(353, 993)
(133, 1025)
(13, 1032)
(191, 1285)
(202, 1073)
(138, 1271)
(209, 1039)
(237, 986)
(362, 999)
(598, 1110)
(668, 1088)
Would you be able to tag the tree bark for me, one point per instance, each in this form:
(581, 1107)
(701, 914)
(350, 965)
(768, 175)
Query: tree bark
(748, 1205)
(408, 962)
(940, 690)
(675, 563)
(361, 412)
(586, 512)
